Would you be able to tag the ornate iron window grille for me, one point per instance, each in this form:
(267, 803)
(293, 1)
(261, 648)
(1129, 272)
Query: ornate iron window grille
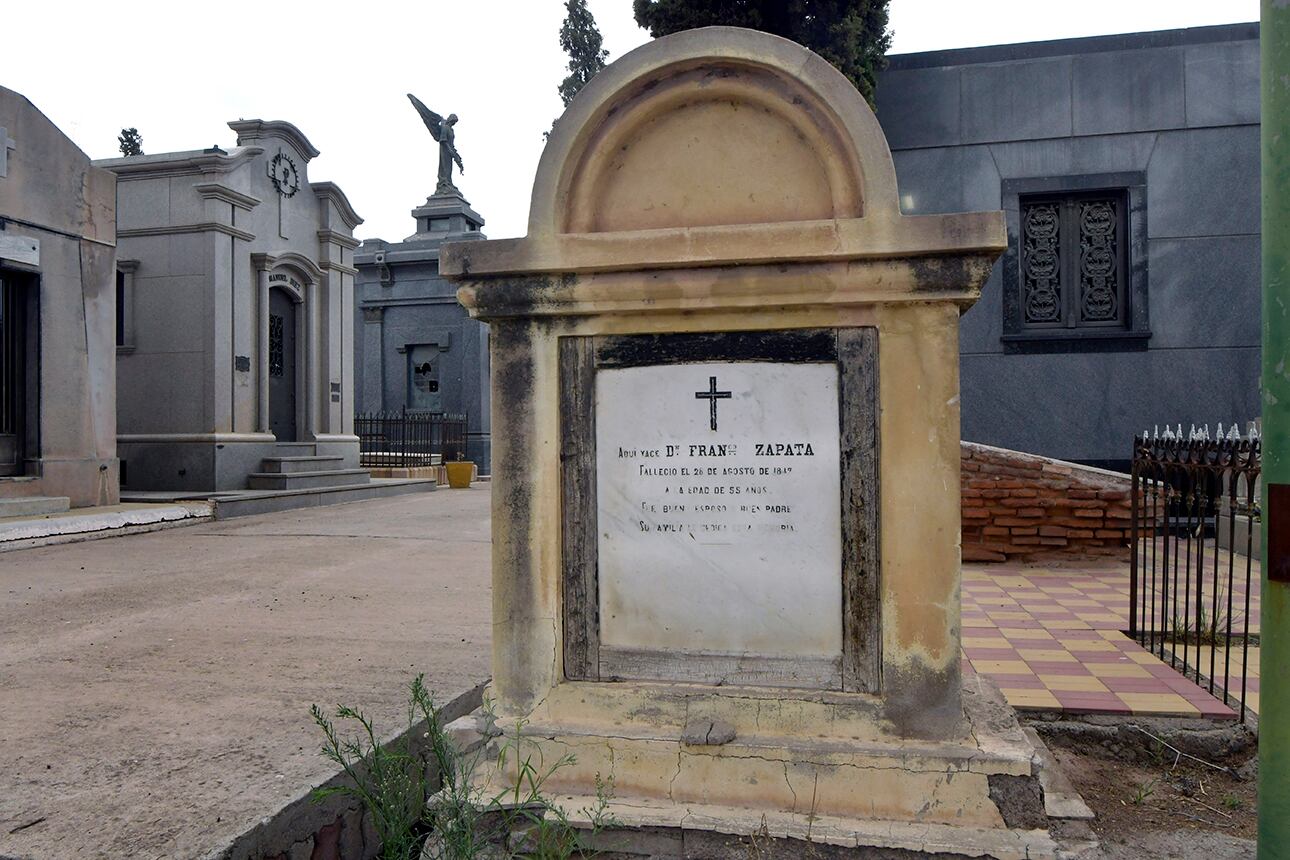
(275, 345)
(1074, 261)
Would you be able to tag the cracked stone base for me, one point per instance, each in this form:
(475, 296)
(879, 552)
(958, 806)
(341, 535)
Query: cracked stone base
(821, 764)
(659, 830)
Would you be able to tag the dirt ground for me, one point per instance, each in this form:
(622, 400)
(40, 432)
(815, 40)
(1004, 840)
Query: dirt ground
(1182, 810)
(155, 689)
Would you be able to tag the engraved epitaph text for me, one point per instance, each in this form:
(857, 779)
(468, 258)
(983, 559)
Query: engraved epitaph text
(720, 536)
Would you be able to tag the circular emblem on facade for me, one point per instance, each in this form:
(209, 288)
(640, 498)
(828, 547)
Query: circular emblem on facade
(285, 175)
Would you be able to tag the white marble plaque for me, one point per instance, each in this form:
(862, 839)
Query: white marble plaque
(719, 508)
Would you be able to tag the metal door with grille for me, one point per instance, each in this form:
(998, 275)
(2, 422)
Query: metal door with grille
(13, 342)
(282, 366)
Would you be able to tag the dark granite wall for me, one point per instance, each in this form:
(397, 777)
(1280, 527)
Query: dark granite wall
(416, 306)
(1181, 107)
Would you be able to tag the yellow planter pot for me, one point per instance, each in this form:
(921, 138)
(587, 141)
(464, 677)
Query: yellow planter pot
(459, 474)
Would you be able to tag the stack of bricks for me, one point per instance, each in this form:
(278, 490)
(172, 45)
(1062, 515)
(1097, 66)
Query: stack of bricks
(1019, 506)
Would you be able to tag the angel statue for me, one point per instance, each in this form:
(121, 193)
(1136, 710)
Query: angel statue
(441, 131)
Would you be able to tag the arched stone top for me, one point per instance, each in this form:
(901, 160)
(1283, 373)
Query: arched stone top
(307, 268)
(293, 265)
(253, 131)
(720, 169)
(711, 127)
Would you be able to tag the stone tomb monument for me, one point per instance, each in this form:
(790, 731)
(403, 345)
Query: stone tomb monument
(725, 504)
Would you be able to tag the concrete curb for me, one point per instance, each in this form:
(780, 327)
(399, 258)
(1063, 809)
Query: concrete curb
(76, 528)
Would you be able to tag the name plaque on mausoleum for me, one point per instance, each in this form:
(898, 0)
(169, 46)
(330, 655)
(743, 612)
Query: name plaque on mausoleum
(719, 514)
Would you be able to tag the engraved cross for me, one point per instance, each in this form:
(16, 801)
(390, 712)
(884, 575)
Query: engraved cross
(712, 395)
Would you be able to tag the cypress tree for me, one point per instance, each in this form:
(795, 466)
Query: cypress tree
(130, 141)
(850, 34)
(580, 39)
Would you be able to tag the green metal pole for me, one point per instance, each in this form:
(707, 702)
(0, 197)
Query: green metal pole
(1274, 691)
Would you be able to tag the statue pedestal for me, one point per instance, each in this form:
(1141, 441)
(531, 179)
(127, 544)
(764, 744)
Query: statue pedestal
(444, 214)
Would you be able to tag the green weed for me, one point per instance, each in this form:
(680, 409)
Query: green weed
(457, 821)
(1143, 791)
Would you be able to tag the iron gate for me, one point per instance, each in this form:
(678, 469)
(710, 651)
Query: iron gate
(1196, 521)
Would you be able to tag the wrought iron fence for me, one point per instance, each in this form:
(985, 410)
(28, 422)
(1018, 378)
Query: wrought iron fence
(407, 439)
(1194, 572)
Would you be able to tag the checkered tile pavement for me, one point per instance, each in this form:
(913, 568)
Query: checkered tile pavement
(1050, 637)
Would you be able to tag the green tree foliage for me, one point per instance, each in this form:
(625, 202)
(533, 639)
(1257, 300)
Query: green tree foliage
(131, 142)
(580, 39)
(850, 34)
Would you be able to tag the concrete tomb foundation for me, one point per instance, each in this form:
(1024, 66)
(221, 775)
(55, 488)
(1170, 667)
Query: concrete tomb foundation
(726, 507)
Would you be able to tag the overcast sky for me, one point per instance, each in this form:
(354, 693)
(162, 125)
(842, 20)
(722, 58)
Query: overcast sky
(339, 71)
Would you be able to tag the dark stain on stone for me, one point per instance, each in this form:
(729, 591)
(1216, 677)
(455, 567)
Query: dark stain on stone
(1020, 800)
(521, 296)
(923, 703)
(512, 371)
(650, 349)
(950, 274)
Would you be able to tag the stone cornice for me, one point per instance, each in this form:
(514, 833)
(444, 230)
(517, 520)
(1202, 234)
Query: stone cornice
(172, 229)
(339, 267)
(736, 287)
(341, 239)
(216, 191)
(194, 162)
(870, 238)
(249, 130)
(330, 192)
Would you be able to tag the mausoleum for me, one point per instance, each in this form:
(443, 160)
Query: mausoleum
(57, 312)
(235, 348)
(726, 507)
(416, 348)
(1128, 170)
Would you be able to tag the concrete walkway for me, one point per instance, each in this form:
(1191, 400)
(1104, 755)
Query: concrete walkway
(155, 689)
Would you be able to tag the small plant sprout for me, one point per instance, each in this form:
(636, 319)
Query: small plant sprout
(1143, 791)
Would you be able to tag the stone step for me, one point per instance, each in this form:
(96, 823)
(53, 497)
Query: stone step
(34, 506)
(1061, 797)
(295, 449)
(292, 465)
(269, 501)
(307, 480)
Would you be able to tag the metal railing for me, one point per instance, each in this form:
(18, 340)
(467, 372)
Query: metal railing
(1194, 572)
(406, 439)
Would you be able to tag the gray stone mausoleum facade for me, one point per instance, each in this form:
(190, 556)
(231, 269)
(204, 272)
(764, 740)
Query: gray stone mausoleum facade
(1128, 169)
(234, 346)
(416, 348)
(57, 311)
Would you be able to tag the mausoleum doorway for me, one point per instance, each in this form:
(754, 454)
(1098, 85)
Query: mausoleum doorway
(282, 364)
(423, 378)
(17, 395)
